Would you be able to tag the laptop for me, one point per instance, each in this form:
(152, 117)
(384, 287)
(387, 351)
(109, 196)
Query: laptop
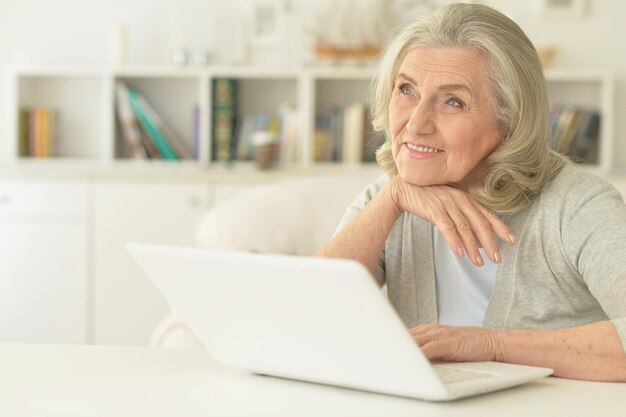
(312, 319)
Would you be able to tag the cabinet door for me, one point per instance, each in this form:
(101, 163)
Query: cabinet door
(43, 285)
(43, 262)
(127, 306)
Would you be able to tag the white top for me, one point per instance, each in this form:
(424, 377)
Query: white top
(463, 289)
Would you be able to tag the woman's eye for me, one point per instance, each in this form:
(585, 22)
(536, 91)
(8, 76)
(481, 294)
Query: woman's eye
(404, 89)
(454, 102)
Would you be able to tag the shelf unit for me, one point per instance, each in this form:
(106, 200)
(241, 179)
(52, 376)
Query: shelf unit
(593, 89)
(85, 99)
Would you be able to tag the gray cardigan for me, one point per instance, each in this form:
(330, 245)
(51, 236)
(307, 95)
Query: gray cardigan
(567, 269)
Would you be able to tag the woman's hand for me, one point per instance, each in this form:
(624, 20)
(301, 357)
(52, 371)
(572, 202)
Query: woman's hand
(465, 224)
(458, 344)
(592, 352)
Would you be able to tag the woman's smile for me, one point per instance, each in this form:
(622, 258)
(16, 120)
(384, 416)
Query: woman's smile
(415, 151)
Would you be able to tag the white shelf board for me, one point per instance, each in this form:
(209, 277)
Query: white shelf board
(245, 171)
(575, 75)
(340, 73)
(254, 73)
(58, 71)
(160, 71)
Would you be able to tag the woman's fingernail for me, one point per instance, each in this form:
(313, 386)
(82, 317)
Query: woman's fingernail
(479, 261)
(496, 256)
(512, 238)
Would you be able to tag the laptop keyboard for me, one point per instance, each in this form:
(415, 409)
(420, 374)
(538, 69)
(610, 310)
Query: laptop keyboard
(452, 375)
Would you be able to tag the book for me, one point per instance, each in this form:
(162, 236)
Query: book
(197, 116)
(585, 145)
(37, 132)
(288, 135)
(224, 119)
(33, 133)
(353, 133)
(148, 144)
(336, 131)
(243, 132)
(565, 129)
(23, 143)
(149, 125)
(568, 126)
(52, 127)
(575, 132)
(555, 112)
(172, 140)
(323, 137)
(345, 134)
(373, 139)
(128, 122)
(44, 137)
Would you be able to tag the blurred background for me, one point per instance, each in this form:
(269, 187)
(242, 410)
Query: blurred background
(197, 122)
(146, 32)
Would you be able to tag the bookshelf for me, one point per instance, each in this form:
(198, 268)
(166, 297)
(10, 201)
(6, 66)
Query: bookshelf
(593, 90)
(85, 102)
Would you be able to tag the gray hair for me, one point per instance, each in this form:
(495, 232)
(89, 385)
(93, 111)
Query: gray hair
(523, 162)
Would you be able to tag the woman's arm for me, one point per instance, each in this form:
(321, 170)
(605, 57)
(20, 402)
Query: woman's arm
(363, 239)
(465, 224)
(591, 352)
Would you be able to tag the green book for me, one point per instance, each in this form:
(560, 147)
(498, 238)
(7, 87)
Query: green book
(159, 139)
(23, 145)
(224, 117)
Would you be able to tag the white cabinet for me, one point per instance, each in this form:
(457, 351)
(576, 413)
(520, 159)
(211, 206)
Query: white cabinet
(126, 306)
(65, 273)
(43, 261)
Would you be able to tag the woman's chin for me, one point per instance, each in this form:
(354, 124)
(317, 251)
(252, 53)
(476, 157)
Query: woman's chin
(419, 180)
(425, 179)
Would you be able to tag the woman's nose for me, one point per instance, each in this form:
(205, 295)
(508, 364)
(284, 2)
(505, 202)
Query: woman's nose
(421, 120)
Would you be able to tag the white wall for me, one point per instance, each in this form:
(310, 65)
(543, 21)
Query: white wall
(77, 32)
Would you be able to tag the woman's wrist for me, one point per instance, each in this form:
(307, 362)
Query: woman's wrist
(498, 343)
(394, 191)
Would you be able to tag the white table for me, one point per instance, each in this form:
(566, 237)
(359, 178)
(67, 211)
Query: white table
(61, 380)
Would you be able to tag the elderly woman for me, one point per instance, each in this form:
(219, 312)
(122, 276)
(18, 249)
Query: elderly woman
(492, 246)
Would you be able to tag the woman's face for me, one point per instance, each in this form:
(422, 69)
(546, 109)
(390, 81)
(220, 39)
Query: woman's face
(442, 122)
